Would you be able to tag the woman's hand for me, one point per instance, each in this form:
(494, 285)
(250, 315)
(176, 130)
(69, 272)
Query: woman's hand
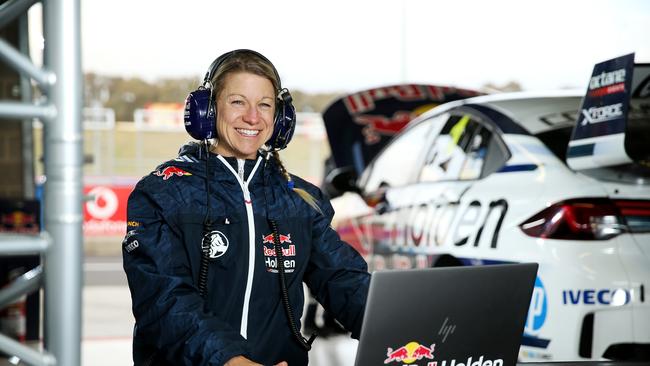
(243, 361)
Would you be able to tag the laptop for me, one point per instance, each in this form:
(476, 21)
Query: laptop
(451, 316)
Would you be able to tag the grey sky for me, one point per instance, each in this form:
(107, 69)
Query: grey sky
(346, 45)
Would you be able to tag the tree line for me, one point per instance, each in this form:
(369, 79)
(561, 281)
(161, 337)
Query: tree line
(125, 95)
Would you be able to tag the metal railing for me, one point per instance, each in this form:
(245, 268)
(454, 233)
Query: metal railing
(60, 244)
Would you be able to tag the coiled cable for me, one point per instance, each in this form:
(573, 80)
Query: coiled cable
(306, 344)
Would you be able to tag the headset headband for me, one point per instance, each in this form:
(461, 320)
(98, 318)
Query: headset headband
(221, 59)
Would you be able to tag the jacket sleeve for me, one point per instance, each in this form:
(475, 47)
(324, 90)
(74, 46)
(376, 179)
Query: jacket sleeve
(337, 275)
(168, 309)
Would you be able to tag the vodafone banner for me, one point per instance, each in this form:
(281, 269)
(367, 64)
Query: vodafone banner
(105, 212)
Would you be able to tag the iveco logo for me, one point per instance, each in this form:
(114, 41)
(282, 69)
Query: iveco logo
(602, 114)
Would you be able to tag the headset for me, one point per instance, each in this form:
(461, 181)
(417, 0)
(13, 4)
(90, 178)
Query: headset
(201, 111)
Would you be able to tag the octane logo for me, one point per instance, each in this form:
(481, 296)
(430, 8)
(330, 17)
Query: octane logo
(411, 352)
(607, 79)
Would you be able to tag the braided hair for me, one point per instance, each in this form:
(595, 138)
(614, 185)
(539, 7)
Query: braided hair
(311, 201)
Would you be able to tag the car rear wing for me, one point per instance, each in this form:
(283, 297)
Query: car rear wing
(613, 125)
(360, 124)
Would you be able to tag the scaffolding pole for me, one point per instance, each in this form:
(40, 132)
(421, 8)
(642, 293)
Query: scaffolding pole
(61, 242)
(63, 188)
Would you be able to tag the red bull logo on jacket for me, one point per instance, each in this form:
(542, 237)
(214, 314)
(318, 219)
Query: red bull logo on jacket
(288, 253)
(409, 353)
(170, 171)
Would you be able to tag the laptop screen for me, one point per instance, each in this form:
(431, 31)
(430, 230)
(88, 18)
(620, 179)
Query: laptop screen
(452, 316)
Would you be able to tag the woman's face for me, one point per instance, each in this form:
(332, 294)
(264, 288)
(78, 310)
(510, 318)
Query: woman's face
(245, 111)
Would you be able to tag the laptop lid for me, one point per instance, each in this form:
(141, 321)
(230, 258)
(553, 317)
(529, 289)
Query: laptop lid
(452, 316)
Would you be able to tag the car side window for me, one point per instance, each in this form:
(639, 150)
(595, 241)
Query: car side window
(446, 157)
(475, 154)
(396, 165)
(465, 149)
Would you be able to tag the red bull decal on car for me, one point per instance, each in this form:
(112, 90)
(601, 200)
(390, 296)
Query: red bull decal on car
(170, 171)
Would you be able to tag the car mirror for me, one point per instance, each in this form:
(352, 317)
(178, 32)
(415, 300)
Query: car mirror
(340, 180)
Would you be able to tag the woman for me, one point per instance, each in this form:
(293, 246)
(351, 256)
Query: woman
(221, 239)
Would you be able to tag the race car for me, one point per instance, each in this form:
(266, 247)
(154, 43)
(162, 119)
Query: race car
(485, 180)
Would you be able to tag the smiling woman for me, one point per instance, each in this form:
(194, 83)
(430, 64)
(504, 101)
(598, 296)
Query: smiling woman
(222, 238)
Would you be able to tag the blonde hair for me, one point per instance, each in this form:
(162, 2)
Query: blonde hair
(244, 61)
(311, 201)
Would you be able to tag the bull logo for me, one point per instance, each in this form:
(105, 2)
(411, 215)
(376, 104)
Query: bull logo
(170, 171)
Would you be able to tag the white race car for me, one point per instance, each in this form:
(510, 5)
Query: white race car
(485, 180)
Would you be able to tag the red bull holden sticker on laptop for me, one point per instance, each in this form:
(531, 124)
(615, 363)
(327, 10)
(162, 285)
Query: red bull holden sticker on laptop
(416, 354)
(409, 353)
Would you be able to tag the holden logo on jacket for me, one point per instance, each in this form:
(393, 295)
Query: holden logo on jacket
(216, 243)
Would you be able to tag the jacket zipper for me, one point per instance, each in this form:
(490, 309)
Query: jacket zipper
(251, 235)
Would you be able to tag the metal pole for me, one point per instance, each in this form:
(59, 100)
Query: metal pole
(23, 110)
(29, 182)
(24, 353)
(13, 8)
(25, 284)
(63, 187)
(24, 65)
(13, 244)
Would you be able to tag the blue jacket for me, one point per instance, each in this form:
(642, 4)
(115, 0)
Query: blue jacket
(242, 313)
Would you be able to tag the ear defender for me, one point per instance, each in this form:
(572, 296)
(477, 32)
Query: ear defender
(200, 112)
(200, 115)
(285, 122)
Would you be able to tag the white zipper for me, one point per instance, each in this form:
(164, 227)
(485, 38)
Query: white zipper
(251, 235)
(240, 168)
